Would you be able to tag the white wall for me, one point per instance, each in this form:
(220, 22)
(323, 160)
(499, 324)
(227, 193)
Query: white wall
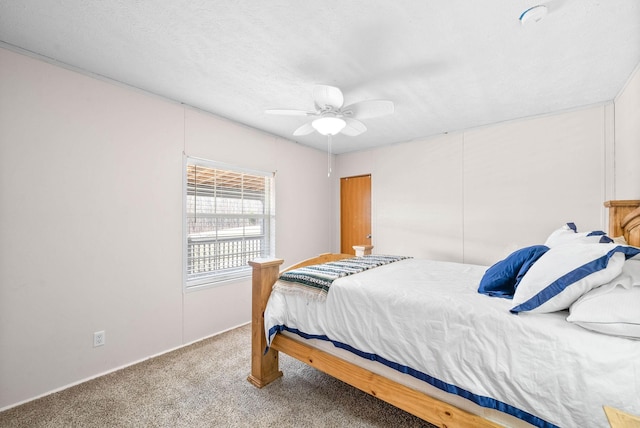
(416, 196)
(477, 195)
(301, 181)
(627, 137)
(91, 223)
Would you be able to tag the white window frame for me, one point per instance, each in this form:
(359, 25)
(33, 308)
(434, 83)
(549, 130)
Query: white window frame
(206, 248)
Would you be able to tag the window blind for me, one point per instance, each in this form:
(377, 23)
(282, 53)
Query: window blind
(229, 220)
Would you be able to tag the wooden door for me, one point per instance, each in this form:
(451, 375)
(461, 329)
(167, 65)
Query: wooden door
(355, 212)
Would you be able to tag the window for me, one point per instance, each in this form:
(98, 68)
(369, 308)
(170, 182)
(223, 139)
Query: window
(229, 220)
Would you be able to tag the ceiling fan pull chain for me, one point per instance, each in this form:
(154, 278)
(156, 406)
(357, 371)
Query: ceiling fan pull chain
(329, 156)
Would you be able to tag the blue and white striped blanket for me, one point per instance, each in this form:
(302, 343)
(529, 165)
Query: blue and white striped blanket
(315, 280)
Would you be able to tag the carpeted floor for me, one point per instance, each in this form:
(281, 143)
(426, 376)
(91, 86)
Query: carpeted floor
(204, 385)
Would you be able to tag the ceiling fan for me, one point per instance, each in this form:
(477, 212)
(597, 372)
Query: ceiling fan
(331, 117)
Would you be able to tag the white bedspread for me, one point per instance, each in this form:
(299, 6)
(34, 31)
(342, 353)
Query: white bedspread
(427, 316)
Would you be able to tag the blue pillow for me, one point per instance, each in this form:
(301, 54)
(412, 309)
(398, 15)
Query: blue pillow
(502, 279)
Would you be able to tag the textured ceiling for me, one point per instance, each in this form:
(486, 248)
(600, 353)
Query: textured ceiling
(448, 65)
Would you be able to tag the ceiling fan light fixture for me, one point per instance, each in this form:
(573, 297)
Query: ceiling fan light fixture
(328, 125)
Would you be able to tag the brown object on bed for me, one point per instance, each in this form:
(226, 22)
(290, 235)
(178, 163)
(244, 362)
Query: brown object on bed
(624, 220)
(619, 419)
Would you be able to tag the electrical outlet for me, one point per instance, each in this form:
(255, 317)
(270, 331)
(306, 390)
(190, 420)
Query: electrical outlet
(99, 338)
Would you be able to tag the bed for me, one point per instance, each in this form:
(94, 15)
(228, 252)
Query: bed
(466, 371)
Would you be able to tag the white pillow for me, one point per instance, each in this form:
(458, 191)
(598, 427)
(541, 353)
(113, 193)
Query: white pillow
(613, 308)
(568, 234)
(566, 272)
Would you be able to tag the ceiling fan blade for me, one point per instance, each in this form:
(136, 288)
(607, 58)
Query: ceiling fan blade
(286, 112)
(324, 95)
(370, 108)
(353, 127)
(304, 129)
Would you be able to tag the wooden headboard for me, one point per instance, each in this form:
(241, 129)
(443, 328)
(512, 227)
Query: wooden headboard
(624, 220)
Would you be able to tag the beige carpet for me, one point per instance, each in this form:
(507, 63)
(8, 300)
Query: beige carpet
(204, 385)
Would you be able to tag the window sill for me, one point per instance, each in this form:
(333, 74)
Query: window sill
(217, 283)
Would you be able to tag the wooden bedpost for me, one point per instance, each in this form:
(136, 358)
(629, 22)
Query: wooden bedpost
(362, 250)
(618, 211)
(264, 367)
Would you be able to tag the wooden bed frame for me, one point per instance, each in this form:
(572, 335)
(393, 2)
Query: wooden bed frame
(624, 220)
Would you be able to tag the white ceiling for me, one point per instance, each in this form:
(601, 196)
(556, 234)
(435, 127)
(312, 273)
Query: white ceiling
(448, 65)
